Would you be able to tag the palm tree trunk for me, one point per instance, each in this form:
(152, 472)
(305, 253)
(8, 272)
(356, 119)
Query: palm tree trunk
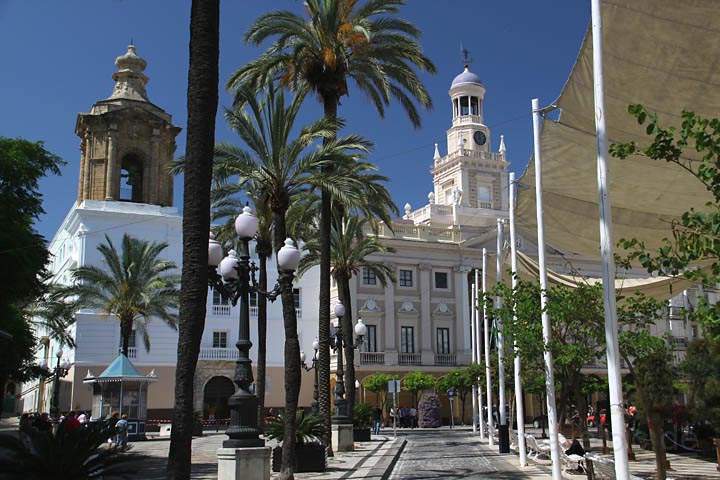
(202, 100)
(655, 424)
(125, 332)
(262, 335)
(292, 355)
(343, 284)
(330, 104)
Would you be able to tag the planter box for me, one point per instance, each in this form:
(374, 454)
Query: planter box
(361, 434)
(309, 457)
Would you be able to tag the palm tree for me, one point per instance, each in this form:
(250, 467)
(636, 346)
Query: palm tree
(350, 248)
(54, 313)
(202, 100)
(284, 168)
(137, 287)
(340, 40)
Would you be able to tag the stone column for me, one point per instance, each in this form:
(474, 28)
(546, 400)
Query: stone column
(112, 184)
(87, 168)
(426, 351)
(83, 167)
(462, 313)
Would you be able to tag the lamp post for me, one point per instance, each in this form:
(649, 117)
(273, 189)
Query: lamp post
(62, 368)
(235, 282)
(342, 416)
(312, 366)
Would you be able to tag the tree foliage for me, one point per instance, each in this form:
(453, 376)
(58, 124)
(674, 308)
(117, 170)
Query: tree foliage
(693, 249)
(136, 286)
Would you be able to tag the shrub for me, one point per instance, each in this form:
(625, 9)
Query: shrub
(309, 428)
(362, 415)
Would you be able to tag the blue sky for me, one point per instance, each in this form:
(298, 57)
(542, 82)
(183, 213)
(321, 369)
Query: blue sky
(58, 60)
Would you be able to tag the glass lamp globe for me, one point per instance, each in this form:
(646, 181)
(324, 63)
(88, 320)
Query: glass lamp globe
(339, 310)
(360, 328)
(228, 266)
(288, 257)
(246, 224)
(357, 383)
(316, 345)
(302, 357)
(59, 353)
(215, 252)
(43, 364)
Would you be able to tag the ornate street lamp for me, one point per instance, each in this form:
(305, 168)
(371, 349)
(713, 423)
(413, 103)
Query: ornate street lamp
(62, 368)
(312, 366)
(234, 283)
(337, 341)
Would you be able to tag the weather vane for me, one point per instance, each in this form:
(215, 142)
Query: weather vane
(465, 56)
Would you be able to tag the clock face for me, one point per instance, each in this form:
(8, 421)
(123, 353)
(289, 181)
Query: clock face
(479, 137)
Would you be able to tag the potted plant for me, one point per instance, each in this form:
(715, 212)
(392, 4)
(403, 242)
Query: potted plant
(362, 421)
(310, 453)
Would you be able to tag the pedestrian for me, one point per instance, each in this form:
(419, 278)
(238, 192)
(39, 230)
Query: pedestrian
(70, 422)
(43, 422)
(114, 418)
(121, 427)
(413, 417)
(377, 421)
(83, 419)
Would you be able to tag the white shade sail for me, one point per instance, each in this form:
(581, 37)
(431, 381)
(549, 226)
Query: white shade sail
(663, 54)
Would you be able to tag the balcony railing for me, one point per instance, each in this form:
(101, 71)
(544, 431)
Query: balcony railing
(218, 354)
(409, 359)
(445, 359)
(372, 358)
(222, 310)
(253, 310)
(676, 313)
(417, 232)
(132, 352)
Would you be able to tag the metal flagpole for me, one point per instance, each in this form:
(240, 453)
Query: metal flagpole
(504, 446)
(486, 335)
(519, 407)
(476, 346)
(549, 375)
(617, 413)
(473, 339)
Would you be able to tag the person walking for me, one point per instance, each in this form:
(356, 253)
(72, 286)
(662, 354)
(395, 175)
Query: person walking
(377, 421)
(121, 428)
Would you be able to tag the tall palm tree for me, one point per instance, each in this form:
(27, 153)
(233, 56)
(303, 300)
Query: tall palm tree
(202, 101)
(340, 40)
(350, 249)
(137, 286)
(284, 167)
(54, 313)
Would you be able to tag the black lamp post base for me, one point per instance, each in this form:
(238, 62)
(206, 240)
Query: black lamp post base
(243, 443)
(243, 430)
(341, 414)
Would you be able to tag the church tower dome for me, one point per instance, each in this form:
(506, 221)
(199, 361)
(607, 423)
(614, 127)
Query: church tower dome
(126, 142)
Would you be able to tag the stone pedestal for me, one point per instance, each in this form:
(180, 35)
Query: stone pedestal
(245, 463)
(342, 437)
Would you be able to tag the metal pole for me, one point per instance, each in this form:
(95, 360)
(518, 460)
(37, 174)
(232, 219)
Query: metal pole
(617, 414)
(476, 346)
(473, 339)
(519, 407)
(395, 409)
(486, 338)
(549, 375)
(500, 336)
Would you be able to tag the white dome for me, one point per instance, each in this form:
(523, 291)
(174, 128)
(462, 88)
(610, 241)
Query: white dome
(466, 77)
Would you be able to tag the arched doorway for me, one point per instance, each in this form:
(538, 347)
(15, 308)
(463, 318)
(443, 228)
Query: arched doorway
(215, 397)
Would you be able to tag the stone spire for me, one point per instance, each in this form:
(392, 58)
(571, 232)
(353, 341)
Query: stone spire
(436, 156)
(502, 148)
(129, 78)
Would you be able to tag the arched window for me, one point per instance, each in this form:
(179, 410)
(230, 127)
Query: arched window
(474, 106)
(464, 105)
(484, 196)
(131, 179)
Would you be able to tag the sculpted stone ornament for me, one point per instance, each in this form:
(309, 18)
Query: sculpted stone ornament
(407, 307)
(443, 309)
(371, 305)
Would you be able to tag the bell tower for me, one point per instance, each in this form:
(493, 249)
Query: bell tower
(126, 142)
(470, 175)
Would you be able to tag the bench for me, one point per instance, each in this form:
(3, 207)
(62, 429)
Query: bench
(513, 440)
(572, 463)
(600, 468)
(535, 450)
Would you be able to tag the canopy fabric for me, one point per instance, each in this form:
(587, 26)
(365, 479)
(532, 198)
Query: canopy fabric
(662, 54)
(660, 288)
